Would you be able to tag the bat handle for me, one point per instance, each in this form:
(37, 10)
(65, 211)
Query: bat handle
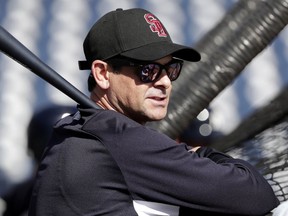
(18, 52)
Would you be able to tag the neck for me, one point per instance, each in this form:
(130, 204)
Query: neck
(100, 100)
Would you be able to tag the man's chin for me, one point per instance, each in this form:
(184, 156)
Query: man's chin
(158, 116)
(149, 116)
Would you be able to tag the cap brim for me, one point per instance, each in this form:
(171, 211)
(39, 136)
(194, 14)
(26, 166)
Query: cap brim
(155, 51)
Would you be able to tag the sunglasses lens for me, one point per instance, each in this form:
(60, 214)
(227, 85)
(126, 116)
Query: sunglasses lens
(173, 71)
(150, 72)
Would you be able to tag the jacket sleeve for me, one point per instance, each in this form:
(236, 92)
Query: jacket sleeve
(265, 200)
(157, 169)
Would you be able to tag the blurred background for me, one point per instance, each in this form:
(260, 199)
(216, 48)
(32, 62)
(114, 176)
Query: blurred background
(55, 29)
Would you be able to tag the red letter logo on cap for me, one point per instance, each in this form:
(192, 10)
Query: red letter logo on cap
(155, 25)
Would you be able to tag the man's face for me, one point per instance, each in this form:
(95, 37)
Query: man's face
(140, 101)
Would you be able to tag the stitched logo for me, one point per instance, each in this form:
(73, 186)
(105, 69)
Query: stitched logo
(155, 25)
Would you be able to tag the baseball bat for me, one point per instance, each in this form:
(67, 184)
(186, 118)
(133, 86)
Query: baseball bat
(13, 48)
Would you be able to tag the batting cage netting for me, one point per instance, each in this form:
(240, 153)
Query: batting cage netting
(268, 151)
(262, 139)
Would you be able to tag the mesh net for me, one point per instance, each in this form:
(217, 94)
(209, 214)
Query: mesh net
(268, 151)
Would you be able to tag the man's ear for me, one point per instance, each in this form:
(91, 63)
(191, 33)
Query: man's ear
(99, 70)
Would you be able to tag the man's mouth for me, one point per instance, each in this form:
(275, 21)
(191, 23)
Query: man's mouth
(159, 101)
(158, 98)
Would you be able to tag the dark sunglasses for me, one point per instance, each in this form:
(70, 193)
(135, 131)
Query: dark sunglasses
(150, 71)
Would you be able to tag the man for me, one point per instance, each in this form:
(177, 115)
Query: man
(106, 162)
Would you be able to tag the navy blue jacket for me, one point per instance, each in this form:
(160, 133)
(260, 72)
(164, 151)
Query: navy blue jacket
(100, 162)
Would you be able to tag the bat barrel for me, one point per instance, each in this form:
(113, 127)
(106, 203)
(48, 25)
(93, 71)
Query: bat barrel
(18, 52)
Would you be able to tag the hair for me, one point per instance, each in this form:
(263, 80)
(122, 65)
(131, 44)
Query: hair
(91, 82)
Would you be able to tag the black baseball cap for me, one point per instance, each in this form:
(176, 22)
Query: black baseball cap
(134, 33)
